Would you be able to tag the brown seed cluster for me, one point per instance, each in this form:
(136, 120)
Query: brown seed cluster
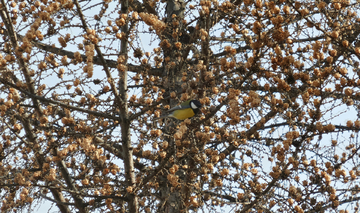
(153, 21)
(273, 77)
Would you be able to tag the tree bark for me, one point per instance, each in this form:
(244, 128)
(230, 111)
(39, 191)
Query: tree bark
(125, 122)
(172, 198)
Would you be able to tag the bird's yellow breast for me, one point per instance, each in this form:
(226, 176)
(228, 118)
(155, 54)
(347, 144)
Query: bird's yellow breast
(182, 114)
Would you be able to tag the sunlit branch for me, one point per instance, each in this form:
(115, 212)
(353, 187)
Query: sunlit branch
(58, 103)
(116, 149)
(56, 201)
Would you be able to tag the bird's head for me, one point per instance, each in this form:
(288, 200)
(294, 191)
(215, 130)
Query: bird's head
(195, 104)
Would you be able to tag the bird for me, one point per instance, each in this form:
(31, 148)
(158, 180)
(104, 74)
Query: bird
(185, 110)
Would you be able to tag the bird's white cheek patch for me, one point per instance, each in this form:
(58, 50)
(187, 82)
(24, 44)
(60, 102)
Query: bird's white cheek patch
(193, 105)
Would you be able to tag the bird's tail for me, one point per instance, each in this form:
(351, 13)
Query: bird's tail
(161, 117)
(164, 116)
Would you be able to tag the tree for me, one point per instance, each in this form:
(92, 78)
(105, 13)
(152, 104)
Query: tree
(82, 81)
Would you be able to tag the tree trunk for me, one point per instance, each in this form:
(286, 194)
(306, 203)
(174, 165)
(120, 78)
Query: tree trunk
(172, 198)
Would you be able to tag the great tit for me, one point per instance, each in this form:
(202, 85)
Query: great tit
(185, 110)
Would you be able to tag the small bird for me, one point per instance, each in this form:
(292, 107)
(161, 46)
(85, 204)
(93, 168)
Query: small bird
(185, 110)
